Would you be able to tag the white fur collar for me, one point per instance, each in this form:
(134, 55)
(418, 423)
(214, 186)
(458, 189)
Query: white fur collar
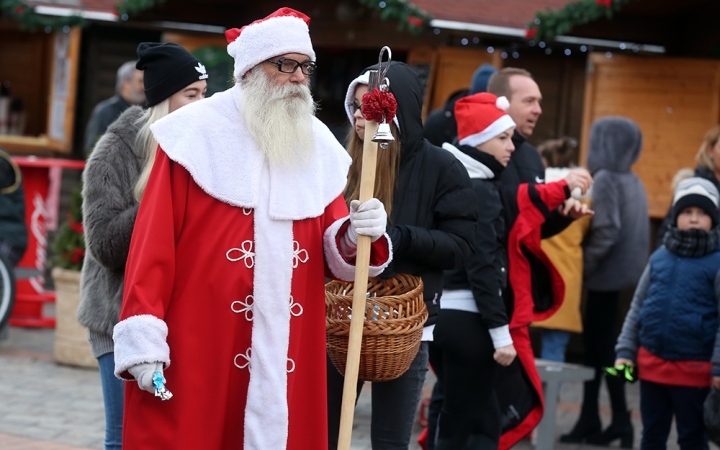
(475, 168)
(210, 139)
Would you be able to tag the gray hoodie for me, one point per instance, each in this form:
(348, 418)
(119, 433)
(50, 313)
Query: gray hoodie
(617, 245)
(109, 211)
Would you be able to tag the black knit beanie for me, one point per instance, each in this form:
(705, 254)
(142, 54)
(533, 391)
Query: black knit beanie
(168, 68)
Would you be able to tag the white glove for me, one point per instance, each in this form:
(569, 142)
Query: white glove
(368, 219)
(143, 373)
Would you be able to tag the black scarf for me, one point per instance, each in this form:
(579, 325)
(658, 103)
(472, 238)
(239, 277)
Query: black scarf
(692, 243)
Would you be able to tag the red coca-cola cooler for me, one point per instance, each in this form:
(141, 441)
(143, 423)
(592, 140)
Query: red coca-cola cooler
(41, 180)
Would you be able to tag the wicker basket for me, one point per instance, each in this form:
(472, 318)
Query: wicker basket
(392, 329)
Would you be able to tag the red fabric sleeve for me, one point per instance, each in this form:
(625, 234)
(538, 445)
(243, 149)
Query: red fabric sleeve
(527, 231)
(150, 269)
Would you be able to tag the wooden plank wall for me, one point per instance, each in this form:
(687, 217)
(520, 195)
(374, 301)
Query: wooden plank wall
(674, 101)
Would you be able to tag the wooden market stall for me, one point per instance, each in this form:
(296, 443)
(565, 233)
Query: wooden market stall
(673, 100)
(39, 74)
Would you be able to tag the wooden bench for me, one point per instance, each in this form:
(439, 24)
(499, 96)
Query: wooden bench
(552, 374)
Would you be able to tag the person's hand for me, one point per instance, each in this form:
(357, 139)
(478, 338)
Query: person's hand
(621, 361)
(579, 178)
(143, 373)
(505, 355)
(368, 219)
(716, 383)
(575, 209)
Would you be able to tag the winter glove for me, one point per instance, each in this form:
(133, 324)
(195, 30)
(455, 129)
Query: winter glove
(368, 219)
(143, 373)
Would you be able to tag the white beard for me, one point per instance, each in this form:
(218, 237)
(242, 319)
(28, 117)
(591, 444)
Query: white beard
(279, 117)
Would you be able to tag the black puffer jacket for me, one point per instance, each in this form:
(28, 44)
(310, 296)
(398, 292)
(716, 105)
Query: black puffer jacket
(434, 211)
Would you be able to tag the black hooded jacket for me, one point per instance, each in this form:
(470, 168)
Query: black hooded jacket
(432, 225)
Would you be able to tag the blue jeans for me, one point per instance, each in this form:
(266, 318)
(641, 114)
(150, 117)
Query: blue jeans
(394, 405)
(554, 344)
(113, 396)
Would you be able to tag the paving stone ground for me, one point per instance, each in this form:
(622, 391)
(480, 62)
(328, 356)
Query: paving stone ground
(48, 406)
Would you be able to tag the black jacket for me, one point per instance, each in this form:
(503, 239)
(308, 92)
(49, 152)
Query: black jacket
(526, 166)
(13, 229)
(486, 272)
(432, 224)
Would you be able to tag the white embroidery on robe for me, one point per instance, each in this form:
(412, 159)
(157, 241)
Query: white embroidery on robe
(247, 211)
(247, 254)
(296, 309)
(299, 256)
(246, 357)
(292, 366)
(238, 306)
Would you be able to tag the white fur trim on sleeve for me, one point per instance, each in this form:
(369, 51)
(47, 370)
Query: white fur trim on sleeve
(337, 264)
(140, 339)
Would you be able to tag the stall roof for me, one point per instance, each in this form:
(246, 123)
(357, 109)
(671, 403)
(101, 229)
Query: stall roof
(510, 17)
(505, 17)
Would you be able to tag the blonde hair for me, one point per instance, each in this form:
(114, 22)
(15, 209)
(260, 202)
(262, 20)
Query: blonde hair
(711, 138)
(145, 141)
(681, 174)
(388, 166)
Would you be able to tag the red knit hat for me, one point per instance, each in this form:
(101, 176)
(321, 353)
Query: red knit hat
(481, 117)
(284, 31)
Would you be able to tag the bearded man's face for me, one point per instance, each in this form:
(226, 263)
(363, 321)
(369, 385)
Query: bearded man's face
(278, 110)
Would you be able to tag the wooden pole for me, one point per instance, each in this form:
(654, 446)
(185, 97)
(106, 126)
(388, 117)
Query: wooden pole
(362, 265)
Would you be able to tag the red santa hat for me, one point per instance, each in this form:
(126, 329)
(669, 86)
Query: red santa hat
(481, 117)
(284, 31)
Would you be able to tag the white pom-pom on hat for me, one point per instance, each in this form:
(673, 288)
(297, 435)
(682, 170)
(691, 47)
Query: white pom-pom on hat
(502, 103)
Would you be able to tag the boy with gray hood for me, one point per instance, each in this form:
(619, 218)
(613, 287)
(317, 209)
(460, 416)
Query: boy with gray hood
(615, 252)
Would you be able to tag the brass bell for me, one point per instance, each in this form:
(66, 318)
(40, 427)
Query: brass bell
(383, 136)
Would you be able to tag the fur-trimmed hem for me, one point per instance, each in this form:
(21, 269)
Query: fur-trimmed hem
(140, 339)
(335, 261)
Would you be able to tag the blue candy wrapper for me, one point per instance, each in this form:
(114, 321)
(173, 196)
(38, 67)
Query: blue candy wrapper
(160, 389)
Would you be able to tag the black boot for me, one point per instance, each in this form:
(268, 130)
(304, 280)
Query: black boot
(620, 428)
(589, 423)
(584, 429)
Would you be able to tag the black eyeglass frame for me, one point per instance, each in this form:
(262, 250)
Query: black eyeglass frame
(304, 66)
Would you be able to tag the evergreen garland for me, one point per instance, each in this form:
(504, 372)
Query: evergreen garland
(136, 6)
(69, 243)
(29, 20)
(408, 16)
(549, 23)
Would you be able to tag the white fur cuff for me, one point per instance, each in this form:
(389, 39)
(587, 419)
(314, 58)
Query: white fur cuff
(140, 339)
(337, 264)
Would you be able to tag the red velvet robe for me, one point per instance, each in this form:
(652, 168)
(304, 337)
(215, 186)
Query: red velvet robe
(192, 265)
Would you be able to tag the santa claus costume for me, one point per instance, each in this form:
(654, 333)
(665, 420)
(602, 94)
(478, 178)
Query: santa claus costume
(226, 270)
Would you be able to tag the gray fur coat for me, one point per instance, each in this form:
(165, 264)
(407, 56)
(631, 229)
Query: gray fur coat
(109, 211)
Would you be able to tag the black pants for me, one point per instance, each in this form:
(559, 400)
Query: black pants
(659, 403)
(463, 361)
(599, 340)
(394, 405)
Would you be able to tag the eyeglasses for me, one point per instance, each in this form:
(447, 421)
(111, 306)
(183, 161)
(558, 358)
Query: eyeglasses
(286, 65)
(355, 108)
(625, 371)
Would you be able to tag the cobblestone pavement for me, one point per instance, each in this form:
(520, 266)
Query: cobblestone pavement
(47, 406)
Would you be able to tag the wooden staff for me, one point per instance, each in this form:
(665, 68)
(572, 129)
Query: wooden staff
(362, 266)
